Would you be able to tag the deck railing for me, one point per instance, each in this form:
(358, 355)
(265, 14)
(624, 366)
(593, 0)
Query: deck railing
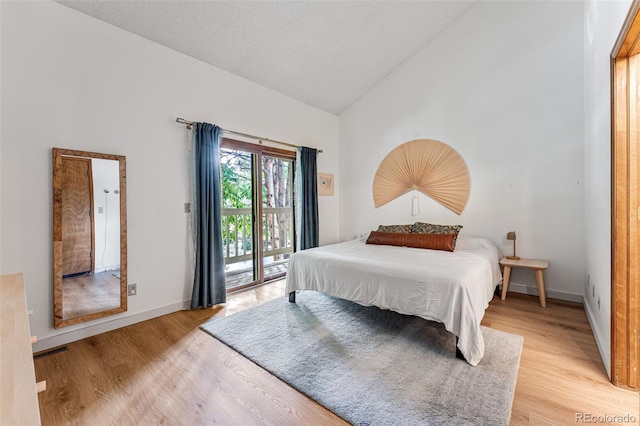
(237, 233)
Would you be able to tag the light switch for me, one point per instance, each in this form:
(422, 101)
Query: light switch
(100, 210)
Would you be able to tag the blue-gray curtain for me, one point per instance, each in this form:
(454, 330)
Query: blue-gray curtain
(307, 228)
(209, 286)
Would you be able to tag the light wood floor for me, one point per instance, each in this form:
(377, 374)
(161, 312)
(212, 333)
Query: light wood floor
(168, 371)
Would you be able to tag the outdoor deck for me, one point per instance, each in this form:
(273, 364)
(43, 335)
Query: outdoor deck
(238, 243)
(238, 277)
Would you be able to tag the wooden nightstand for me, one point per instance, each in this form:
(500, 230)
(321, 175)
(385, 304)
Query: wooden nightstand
(535, 264)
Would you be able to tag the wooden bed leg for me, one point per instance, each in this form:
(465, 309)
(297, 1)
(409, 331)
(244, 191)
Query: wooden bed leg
(292, 297)
(458, 353)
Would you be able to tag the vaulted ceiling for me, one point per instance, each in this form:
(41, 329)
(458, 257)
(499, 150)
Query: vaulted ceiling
(324, 53)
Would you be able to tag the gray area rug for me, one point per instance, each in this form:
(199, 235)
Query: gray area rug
(372, 366)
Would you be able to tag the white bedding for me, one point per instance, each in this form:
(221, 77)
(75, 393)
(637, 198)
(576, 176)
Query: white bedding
(453, 288)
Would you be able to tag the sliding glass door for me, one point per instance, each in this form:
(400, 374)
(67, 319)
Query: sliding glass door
(257, 215)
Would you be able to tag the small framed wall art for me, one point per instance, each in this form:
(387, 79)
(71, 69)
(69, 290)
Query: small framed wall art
(325, 184)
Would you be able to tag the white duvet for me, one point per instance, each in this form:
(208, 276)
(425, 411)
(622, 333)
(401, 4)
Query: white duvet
(453, 288)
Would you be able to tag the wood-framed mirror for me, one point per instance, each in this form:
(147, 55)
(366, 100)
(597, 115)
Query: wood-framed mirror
(89, 236)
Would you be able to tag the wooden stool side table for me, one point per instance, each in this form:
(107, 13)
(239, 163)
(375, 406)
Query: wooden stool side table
(537, 265)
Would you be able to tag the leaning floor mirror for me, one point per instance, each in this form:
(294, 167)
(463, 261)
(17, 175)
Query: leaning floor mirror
(89, 236)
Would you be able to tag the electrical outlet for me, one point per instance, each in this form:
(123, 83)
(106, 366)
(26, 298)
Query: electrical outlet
(187, 207)
(132, 289)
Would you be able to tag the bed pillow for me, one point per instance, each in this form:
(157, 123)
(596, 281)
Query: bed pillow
(425, 241)
(402, 229)
(430, 228)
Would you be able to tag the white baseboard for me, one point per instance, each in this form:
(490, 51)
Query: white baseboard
(552, 294)
(63, 338)
(597, 334)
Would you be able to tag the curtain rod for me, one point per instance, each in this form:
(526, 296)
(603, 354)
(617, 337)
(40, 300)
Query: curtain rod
(258, 138)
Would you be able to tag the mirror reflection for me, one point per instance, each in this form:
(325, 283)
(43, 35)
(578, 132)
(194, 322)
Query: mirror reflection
(89, 260)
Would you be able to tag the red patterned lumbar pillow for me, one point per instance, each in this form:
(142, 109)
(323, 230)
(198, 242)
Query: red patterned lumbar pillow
(425, 241)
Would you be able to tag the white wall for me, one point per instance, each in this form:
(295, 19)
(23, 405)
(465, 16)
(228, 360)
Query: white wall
(106, 214)
(71, 81)
(603, 22)
(503, 85)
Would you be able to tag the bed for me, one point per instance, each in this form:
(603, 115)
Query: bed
(453, 288)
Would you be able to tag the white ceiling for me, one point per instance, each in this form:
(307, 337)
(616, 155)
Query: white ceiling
(324, 53)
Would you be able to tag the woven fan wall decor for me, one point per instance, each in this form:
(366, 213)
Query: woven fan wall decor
(427, 165)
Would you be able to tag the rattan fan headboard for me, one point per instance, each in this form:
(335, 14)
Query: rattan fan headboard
(427, 165)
